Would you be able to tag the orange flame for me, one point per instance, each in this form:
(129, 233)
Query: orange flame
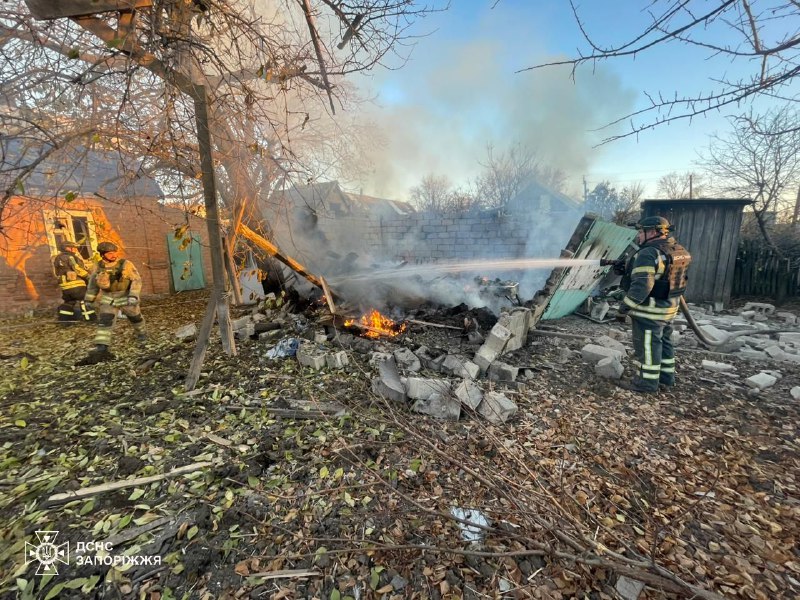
(378, 325)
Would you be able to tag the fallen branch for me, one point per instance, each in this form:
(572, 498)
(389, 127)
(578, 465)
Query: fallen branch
(119, 485)
(439, 325)
(286, 574)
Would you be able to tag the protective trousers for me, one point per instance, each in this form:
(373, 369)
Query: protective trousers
(653, 352)
(107, 316)
(73, 308)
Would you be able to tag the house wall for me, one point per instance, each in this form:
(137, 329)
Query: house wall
(426, 237)
(138, 226)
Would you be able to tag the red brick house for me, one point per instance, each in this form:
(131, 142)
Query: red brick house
(87, 197)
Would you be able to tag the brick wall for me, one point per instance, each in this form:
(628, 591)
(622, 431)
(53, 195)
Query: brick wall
(426, 237)
(139, 226)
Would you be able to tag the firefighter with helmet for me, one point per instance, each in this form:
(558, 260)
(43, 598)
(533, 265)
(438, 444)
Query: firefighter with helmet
(72, 274)
(654, 280)
(114, 285)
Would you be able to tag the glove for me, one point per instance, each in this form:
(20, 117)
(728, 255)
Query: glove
(133, 301)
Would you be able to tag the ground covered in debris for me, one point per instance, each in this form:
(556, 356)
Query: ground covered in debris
(587, 490)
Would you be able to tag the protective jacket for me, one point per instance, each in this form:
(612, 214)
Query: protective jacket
(655, 279)
(114, 282)
(70, 271)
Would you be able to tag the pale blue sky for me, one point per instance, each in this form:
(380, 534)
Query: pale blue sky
(461, 90)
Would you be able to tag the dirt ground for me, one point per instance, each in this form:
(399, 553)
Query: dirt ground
(693, 491)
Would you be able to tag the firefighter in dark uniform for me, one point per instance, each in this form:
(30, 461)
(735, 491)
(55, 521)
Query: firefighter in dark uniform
(654, 281)
(72, 274)
(115, 285)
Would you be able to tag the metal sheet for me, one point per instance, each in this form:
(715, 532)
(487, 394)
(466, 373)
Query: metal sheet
(602, 240)
(186, 264)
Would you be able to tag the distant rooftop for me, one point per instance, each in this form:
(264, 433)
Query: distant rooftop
(82, 170)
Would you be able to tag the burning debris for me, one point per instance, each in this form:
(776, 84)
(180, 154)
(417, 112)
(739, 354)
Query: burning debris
(376, 325)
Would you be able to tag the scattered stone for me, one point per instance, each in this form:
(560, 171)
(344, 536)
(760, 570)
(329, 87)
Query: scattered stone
(717, 367)
(475, 338)
(320, 337)
(600, 310)
(388, 384)
(789, 338)
(470, 393)
(429, 360)
(309, 356)
(795, 392)
(378, 357)
(240, 323)
(497, 408)
(337, 360)
(760, 307)
(441, 406)
(517, 321)
(609, 342)
(420, 388)
(713, 333)
(500, 371)
(407, 360)
(761, 381)
(460, 366)
(593, 353)
(187, 332)
(787, 317)
(775, 374)
(629, 589)
(246, 332)
(609, 367)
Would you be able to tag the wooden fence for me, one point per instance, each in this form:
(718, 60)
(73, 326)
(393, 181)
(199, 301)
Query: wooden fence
(759, 272)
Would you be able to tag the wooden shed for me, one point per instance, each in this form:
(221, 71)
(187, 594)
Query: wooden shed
(709, 229)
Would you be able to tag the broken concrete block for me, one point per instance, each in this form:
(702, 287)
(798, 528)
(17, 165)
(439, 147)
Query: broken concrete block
(441, 406)
(470, 393)
(320, 337)
(245, 332)
(457, 365)
(497, 408)
(240, 323)
(786, 317)
(428, 359)
(309, 356)
(795, 392)
(760, 307)
(337, 360)
(717, 367)
(419, 388)
(517, 321)
(761, 381)
(482, 362)
(407, 360)
(775, 374)
(500, 371)
(388, 384)
(609, 367)
(789, 338)
(495, 343)
(714, 333)
(187, 332)
(629, 589)
(593, 353)
(609, 342)
(269, 336)
(378, 357)
(600, 310)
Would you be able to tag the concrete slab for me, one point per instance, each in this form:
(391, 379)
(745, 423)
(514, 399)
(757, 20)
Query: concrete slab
(500, 371)
(609, 342)
(717, 367)
(419, 388)
(497, 408)
(761, 381)
(446, 407)
(470, 393)
(407, 360)
(388, 384)
(593, 353)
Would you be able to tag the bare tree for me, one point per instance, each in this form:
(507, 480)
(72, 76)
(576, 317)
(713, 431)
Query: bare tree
(763, 36)
(678, 186)
(433, 193)
(759, 159)
(630, 198)
(505, 174)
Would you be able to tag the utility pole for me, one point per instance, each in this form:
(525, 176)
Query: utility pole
(691, 194)
(585, 190)
(796, 214)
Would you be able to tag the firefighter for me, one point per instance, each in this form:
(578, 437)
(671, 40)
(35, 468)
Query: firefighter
(115, 285)
(654, 281)
(72, 274)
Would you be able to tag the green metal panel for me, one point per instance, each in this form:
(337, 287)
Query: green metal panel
(186, 263)
(602, 240)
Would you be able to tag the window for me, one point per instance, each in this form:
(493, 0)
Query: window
(74, 226)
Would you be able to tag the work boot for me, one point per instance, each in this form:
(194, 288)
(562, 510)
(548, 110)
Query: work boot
(665, 383)
(99, 354)
(141, 338)
(635, 384)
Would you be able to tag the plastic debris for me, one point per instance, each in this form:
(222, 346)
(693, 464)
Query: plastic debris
(469, 533)
(285, 348)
